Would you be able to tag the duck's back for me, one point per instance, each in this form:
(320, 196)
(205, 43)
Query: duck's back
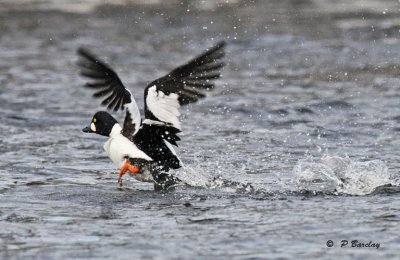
(155, 141)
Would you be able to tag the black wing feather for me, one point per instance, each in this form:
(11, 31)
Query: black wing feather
(196, 72)
(107, 84)
(105, 79)
(190, 79)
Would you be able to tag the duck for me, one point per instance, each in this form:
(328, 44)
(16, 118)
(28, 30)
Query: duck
(144, 147)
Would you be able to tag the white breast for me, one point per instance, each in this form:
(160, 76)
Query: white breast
(118, 147)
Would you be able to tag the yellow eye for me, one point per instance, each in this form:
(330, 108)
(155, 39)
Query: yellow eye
(94, 120)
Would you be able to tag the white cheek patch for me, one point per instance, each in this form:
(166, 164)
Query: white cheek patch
(93, 127)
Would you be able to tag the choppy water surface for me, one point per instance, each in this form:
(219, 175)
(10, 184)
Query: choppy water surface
(299, 144)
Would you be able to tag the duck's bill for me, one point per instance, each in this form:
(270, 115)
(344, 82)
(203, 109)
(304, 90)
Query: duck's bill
(87, 130)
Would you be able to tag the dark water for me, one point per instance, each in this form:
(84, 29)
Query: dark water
(307, 112)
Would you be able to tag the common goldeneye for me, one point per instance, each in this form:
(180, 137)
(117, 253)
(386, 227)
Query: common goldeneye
(144, 147)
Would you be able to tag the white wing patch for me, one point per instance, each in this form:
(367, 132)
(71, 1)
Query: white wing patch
(153, 122)
(164, 107)
(133, 109)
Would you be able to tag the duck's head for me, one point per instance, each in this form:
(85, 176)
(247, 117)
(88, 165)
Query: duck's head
(102, 124)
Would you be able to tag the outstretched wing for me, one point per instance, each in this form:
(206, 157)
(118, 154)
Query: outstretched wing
(107, 84)
(183, 85)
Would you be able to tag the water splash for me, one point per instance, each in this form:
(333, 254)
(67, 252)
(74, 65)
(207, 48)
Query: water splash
(198, 178)
(326, 175)
(193, 177)
(342, 175)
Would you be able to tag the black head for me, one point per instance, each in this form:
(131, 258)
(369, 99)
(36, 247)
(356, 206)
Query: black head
(102, 124)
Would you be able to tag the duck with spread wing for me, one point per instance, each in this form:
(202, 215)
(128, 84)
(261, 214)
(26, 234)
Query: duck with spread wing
(144, 148)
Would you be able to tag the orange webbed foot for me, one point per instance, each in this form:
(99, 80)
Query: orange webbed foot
(127, 166)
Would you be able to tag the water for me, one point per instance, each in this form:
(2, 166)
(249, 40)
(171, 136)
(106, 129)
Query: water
(296, 146)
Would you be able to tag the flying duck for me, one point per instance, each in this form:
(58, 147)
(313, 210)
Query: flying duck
(144, 147)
